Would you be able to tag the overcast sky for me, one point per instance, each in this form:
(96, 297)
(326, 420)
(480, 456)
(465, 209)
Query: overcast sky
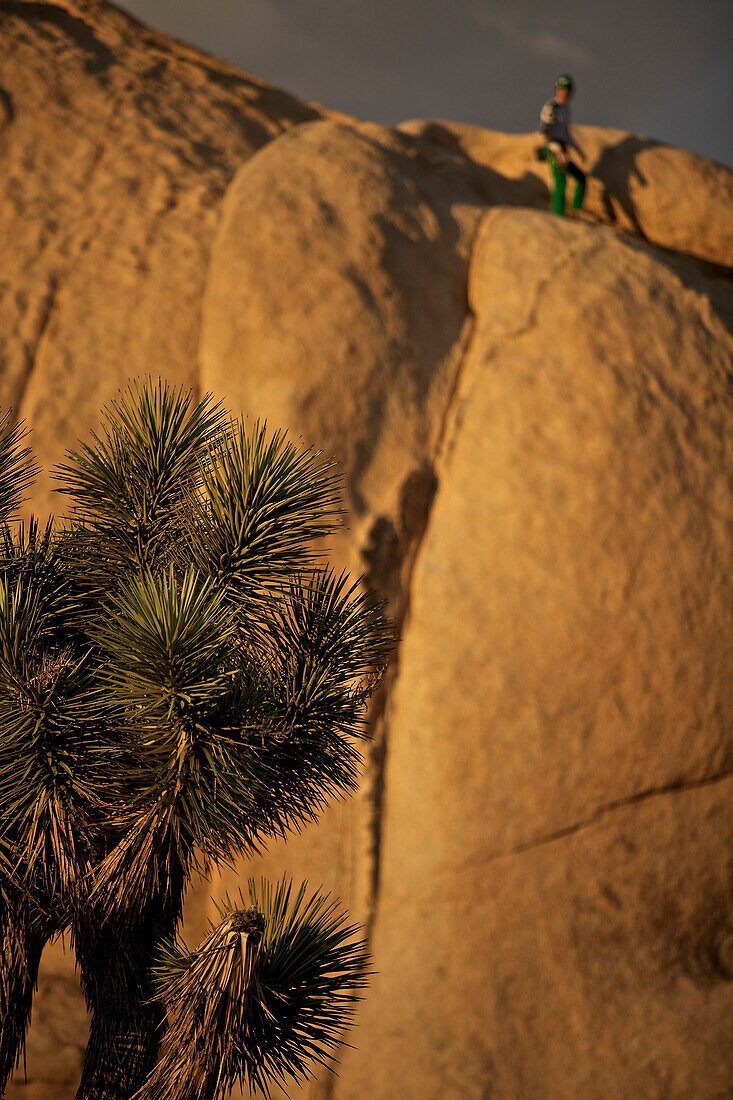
(662, 68)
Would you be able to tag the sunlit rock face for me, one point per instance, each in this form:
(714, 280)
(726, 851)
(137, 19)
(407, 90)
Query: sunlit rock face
(116, 145)
(542, 849)
(533, 422)
(633, 182)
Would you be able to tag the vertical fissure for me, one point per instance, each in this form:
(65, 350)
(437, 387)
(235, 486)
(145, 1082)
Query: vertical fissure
(416, 504)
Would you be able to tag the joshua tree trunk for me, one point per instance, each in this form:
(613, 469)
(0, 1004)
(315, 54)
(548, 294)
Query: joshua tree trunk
(23, 940)
(126, 1021)
(123, 1045)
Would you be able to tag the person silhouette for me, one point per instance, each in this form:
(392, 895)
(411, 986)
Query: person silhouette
(555, 131)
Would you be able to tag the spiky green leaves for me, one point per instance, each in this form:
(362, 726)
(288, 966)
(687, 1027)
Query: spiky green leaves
(180, 680)
(321, 652)
(29, 554)
(228, 746)
(268, 994)
(127, 486)
(169, 656)
(17, 468)
(169, 644)
(169, 479)
(179, 640)
(46, 710)
(260, 505)
(326, 637)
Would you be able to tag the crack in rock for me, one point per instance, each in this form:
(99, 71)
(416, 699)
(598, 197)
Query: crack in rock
(406, 565)
(7, 109)
(33, 348)
(680, 786)
(391, 555)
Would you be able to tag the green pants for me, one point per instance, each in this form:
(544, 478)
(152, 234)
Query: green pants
(560, 176)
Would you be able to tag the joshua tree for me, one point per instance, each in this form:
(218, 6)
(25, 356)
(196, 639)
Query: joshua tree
(181, 679)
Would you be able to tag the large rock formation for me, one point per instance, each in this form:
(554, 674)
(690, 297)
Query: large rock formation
(555, 859)
(664, 195)
(533, 420)
(116, 146)
(554, 758)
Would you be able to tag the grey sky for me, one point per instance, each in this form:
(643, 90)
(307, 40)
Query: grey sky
(663, 68)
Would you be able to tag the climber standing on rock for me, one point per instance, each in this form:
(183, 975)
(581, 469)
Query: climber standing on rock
(555, 131)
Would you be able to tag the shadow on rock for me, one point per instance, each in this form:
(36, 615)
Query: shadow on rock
(616, 169)
(449, 158)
